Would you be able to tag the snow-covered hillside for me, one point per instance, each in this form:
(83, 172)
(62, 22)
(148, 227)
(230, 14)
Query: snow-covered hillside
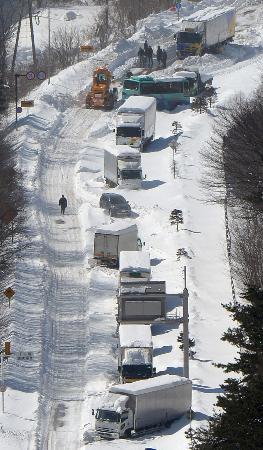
(65, 308)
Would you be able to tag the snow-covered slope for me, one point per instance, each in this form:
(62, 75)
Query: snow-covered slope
(65, 309)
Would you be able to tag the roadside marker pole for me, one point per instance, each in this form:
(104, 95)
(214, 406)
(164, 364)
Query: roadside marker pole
(185, 328)
(2, 382)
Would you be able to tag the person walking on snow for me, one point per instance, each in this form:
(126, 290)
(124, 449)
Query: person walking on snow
(63, 204)
(145, 46)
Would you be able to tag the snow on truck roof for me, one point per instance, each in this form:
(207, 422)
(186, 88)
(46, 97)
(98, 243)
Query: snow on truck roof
(117, 228)
(208, 13)
(136, 261)
(137, 103)
(150, 385)
(135, 335)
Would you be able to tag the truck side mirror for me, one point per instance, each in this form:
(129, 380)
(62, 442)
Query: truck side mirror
(92, 412)
(113, 130)
(154, 370)
(145, 176)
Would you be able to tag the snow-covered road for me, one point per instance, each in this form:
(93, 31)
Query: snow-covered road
(67, 323)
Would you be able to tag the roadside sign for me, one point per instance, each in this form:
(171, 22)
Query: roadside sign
(178, 5)
(30, 75)
(9, 292)
(173, 144)
(41, 75)
(27, 103)
(19, 109)
(2, 388)
(86, 48)
(25, 356)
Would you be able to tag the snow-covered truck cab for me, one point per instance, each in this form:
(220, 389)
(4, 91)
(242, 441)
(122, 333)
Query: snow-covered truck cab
(135, 123)
(129, 168)
(110, 240)
(114, 419)
(122, 167)
(135, 352)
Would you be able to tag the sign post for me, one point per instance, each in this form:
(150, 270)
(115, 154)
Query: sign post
(9, 293)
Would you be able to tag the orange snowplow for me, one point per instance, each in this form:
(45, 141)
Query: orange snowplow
(102, 95)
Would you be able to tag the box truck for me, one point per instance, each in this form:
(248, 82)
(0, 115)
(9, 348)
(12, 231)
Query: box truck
(122, 167)
(134, 266)
(135, 123)
(142, 405)
(110, 240)
(141, 302)
(207, 29)
(135, 352)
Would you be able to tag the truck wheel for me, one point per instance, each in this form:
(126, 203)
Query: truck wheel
(128, 433)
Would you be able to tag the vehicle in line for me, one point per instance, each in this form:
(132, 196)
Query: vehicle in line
(122, 167)
(135, 122)
(134, 266)
(206, 30)
(135, 352)
(169, 92)
(110, 240)
(136, 407)
(102, 94)
(115, 204)
(141, 302)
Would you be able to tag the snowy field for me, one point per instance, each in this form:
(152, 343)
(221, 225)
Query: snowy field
(64, 309)
(76, 17)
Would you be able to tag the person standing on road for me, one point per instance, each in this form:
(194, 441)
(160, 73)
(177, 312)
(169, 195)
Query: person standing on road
(150, 56)
(159, 54)
(164, 58)
(63, 204)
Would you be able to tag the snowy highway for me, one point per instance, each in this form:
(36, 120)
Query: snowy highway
(73, 302)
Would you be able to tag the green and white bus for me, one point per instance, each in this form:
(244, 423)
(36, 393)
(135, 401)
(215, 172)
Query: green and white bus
(169, 92)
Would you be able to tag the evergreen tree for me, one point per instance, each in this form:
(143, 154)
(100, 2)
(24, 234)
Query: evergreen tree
(240, 424)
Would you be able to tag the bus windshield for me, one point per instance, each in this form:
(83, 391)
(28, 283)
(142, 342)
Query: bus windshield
(131, 84)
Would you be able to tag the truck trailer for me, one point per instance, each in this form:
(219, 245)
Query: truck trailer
(135, 123)
(135, 352)
(141, 302)
(207, 29)
(122, 167)
(142, 405)
(135, 266)
(110, 240)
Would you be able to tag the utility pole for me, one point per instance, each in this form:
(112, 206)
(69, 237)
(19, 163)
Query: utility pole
(32, 32)
(17, 38)
(48, 69)
(185, 327)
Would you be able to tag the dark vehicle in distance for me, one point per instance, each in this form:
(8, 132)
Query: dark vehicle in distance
(115, 204)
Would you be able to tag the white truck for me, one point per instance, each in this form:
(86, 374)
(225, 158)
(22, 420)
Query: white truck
(135, 352)
(122, 167)
(129, 408)
(207, 29)
(134, 266)
(110, 240)
(135, 123)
